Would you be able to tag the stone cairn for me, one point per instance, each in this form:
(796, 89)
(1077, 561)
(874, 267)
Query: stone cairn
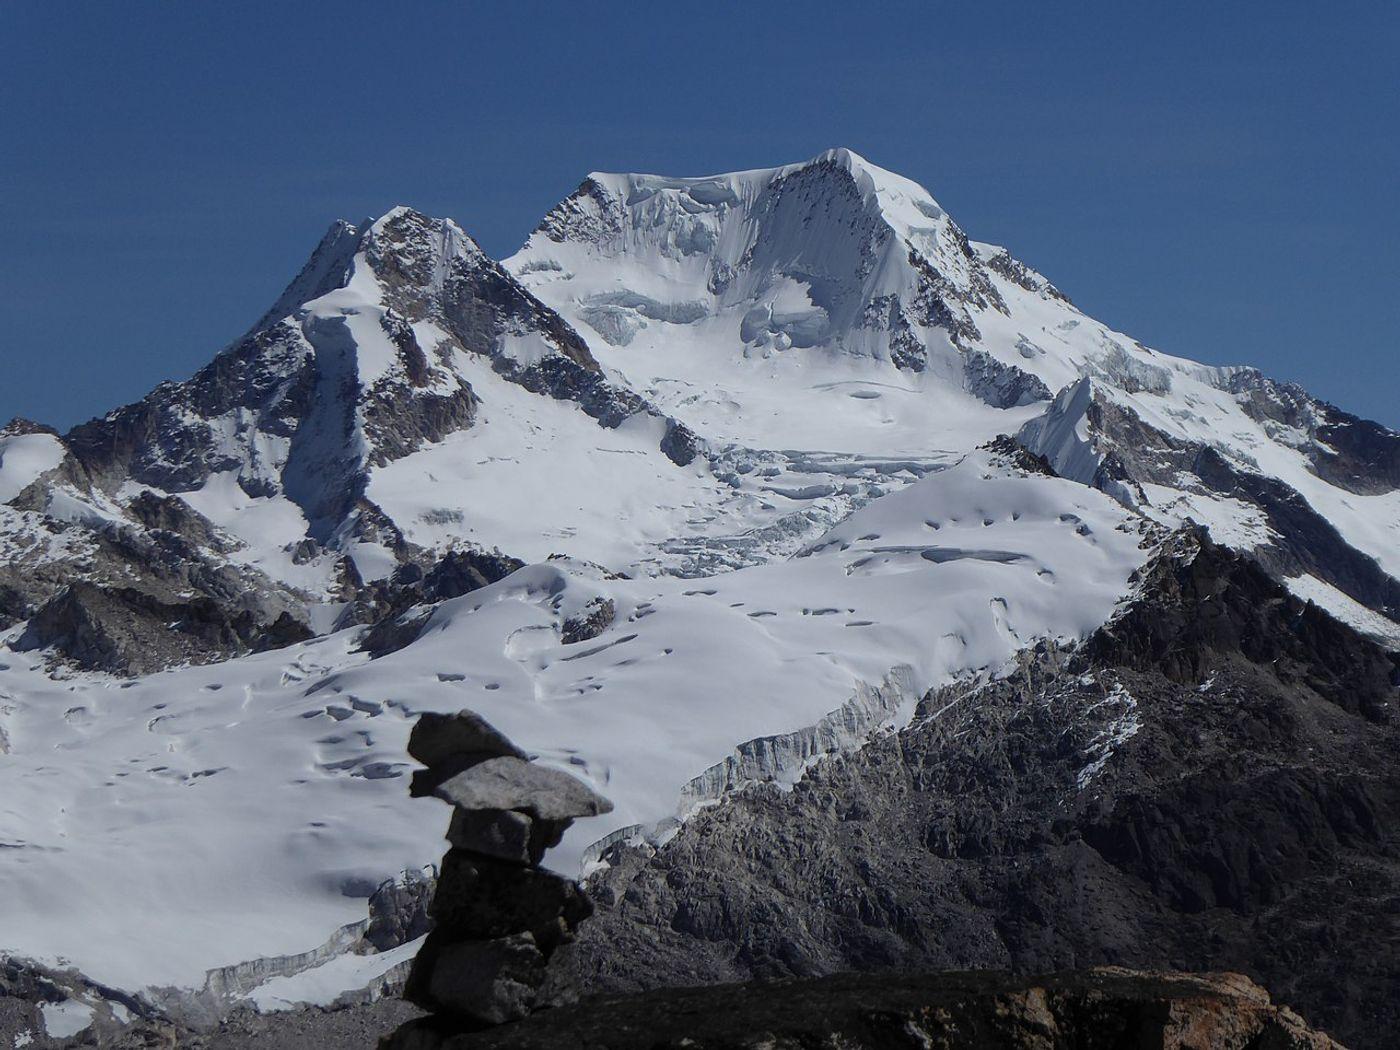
(498, 916)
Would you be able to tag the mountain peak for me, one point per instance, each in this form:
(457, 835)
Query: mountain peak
(891, 189)
(832, 254)
(327, 269)
(876, 184)
(404, 246)
(403, 220)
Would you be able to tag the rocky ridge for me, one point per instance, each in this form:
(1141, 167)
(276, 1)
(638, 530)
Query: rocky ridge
(1148, 466)
(334, 382)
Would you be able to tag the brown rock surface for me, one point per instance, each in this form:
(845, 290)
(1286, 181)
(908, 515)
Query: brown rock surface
(1084, 1010)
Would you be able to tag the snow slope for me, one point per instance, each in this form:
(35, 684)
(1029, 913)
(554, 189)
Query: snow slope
(24, 458)
(159, 828)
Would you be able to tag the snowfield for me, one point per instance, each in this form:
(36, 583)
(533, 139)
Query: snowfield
(159, 828)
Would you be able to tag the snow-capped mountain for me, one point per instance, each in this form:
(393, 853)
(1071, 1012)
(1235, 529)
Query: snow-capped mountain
(713, 477)
(832, 255)
(834, 303)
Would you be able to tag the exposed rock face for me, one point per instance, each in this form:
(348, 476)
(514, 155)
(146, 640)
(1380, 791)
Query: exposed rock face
(1209, 783)
(104, 594)
(1000, 261)
(590, 623)
(398, 910)
(397, 607)
(1304, 541)
(1345, 450)
(1101, 1009)
(172, 514)
(1206, 606)
(432, 270)
(464, 570)
(294, 406)
(1001, 385)
(124, 630)
(497, 917)
(19, 425)
(170, 439)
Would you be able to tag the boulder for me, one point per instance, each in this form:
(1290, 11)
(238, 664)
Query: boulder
(481, 982)
(482, 899)
(504, 834)
(515, 784)
(398, 910)
(438, 739)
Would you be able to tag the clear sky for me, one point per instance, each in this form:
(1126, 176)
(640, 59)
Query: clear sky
(1218, 180)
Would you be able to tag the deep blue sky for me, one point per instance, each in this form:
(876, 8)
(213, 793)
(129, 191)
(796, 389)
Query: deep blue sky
(1218, 180)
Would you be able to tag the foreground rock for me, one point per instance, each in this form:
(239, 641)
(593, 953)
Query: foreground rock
(498, 916)
(1103, 1008)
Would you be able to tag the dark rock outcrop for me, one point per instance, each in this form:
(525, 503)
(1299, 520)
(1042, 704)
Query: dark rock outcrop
(592, 621)
(1345, 450)
(1297, 539)
(165, 565)
(398, 910)
(128, 631)
(1102, 1009)
(1208, 606)
(462, 571)
(172, 514)
(166, 439)
(1304, 541)
(1001, 385)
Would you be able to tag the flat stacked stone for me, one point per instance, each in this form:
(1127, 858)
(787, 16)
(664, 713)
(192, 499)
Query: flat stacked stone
(498, 916)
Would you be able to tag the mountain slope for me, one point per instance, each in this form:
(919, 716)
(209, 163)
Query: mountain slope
(1206, 783)
(715, 478)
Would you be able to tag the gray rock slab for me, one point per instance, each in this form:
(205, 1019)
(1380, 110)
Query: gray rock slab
(514, 784)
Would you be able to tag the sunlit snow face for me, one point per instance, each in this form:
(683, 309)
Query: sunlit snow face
(244, 809)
